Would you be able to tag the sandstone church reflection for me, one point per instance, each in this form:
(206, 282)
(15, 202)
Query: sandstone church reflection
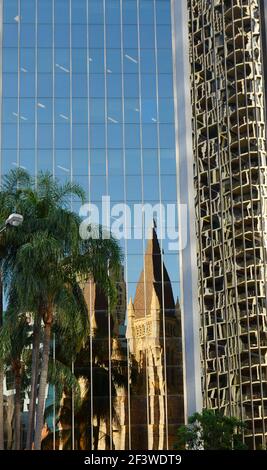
(130, 371)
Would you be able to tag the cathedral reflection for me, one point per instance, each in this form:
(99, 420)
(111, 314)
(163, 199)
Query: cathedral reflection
(130, 371)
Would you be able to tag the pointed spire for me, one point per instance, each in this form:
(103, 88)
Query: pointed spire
(130, 327)
(155, 305)
(177, 308)
(131, 312)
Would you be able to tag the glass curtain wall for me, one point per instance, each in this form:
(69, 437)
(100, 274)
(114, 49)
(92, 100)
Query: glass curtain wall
(87, 93)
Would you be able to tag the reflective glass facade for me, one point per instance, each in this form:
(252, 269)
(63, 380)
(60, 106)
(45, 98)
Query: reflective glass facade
(88, 94)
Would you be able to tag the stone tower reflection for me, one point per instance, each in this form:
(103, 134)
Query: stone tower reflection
(145, 411)
(154, 335)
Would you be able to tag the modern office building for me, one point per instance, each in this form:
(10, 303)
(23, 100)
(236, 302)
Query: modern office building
(228, 78)
(97, 92)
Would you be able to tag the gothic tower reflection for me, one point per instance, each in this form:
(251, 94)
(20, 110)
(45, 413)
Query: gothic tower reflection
(154, 409)
(154, 334)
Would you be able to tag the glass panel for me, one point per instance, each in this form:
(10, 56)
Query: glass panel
(149, 110)
(79, 110)
(62, 11)
(10, 60)
(150, 136)
(114, 86)
(79, 12)
(167, 161)
(116, 189)
(130, 60)
(27, 110)
(113, 60)
(115, 162)
(166, 110)
(45, 35)
(131, 110)
(165, 64)
(97, 86)
(27, 85)
(9, 110)
(97, 162)
(9, 136)
(45, 137)
(79, 36)
(45, 85)
(113, 12)
(45, 60)
(168, 188)
(113, 36)
(80, 162)
(80, 136)
(164, 37)
(10, 11)
(79, 86)
(44, 107)
(133, 161)
(45, 12)
(151, 187)
(147, 37)
(134, 268)
(97, 136)
(135, 247)
(165, 85)
(129, 11)
(96, 60)
(146, 12)
(27, 11)
(62, 161)
(62, 35)
(132, 136)
(27, 160)
(27, 136)
(10, 37)
(44, 160)
(131, 85)
(114, 110)
(98, 187)
(114, 136)
(27, 35)
(163, 12)
(148, 86)
(79, 61)
(62, 60)
(97, 110)
(133, 188)
(167, 137)
(95, 11)
(27, 60)
(96, 36)
(62, 86)
(83, 181)
(10, 84)
(148, 64)
(9, 159)
(130, 37)
(62, 136)
(150, 162)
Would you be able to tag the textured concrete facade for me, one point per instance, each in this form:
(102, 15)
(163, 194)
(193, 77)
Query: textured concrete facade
(229, 136)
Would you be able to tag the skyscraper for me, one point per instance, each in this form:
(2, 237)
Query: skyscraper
(94, 91)
(228, 76)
